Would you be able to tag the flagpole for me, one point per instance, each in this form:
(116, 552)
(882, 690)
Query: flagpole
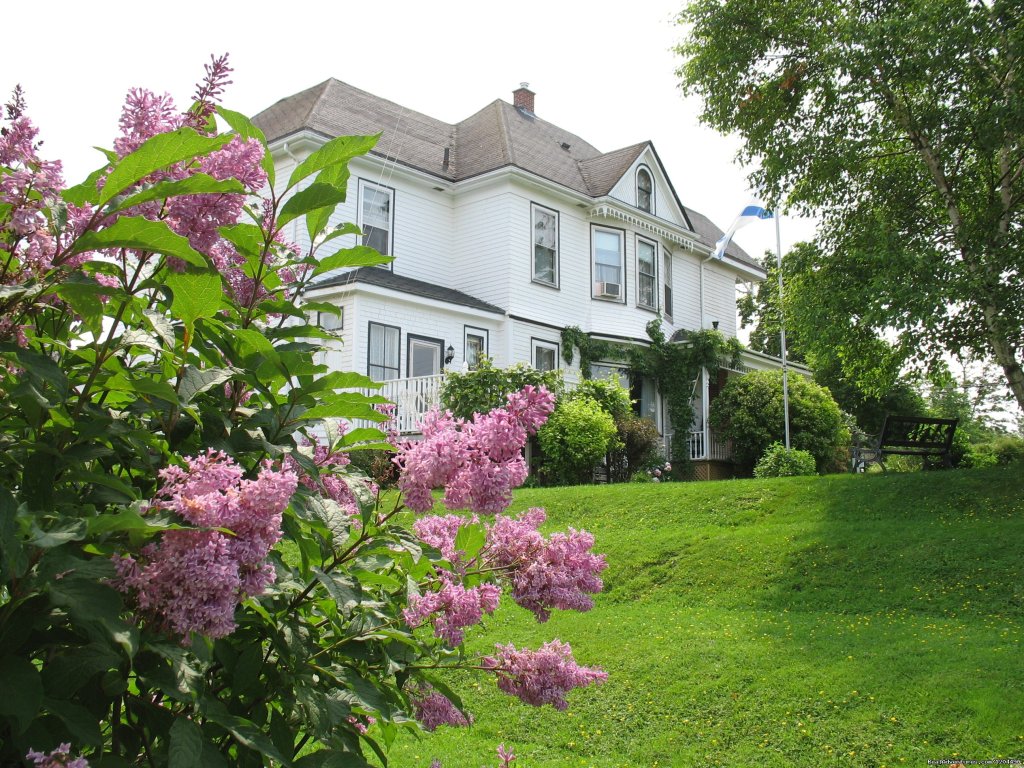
(782, 334)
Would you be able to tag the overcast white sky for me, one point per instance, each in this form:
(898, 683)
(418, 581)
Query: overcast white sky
(602, 70)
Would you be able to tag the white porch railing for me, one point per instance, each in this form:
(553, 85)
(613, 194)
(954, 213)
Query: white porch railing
(709, 445)
(412, 397)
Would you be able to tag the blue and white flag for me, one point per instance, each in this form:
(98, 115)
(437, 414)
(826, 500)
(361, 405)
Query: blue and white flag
(751, 213)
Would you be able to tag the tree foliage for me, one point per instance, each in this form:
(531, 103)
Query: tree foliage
(899, 124)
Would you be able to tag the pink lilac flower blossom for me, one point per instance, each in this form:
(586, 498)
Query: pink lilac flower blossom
(329, 481)
(432, 708)
(58, 758)
(192, 580)
(506, 756)
(439, 531)
(543, 676)
(478, 462)
(560, 572)
(452, 608)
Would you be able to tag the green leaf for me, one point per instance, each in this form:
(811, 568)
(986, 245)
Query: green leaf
(186, 744)
(358, 256)
(316, 197)
(347, 405)
(345, 592)
(195, 295)
(161, 325)
(361, 691)
(337, 177)
(67, 530)
(340, 380)
(196, 380)
(143, 235)
(87, 191)
(125, 520)
(13, 560)
(8, 292)
(21, 690)
(245, 732)
(248, 239)
(196, 184)
(158, 152)
(470, 540)
(81, 724)
(339, 150)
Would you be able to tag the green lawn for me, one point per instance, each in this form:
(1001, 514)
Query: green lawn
(848, 620)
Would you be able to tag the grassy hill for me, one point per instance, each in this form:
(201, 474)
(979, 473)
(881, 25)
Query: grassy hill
(848, 620)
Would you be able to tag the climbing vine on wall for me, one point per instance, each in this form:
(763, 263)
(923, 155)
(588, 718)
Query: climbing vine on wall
(674, 367)
(591, 350)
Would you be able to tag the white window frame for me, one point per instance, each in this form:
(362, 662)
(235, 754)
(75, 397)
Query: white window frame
(643, 169)
(384, 365)
(644, 279)
(597, 268)
(482, 333)
(365, 187)
(547, 346)
(329, 321)
(536, 209)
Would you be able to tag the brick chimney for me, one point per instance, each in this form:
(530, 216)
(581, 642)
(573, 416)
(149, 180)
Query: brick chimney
(522, 97)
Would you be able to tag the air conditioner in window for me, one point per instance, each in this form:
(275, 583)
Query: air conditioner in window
(608, 290)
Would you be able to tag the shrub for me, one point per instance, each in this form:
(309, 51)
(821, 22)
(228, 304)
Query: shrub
(482, 390)
(575, 438)
(608, 393)
(749, 411)
(1002, 451)
(639, 448)
(779, 462)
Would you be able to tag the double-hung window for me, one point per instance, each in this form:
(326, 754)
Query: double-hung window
(647, 274)
(475, 346)
(545, 245)
(545, 354)
(377, 216)
(608, 258)
(383, 350)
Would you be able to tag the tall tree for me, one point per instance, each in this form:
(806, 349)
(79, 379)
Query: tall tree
(899, 124)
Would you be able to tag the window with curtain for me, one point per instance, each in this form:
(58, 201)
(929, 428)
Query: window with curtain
(383, 352)
(545, 245)
(376, 216)
(647, 276)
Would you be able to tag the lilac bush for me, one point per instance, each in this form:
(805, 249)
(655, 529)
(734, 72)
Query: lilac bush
(192, 572)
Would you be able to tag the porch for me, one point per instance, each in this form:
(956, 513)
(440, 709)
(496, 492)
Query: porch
(413, 398)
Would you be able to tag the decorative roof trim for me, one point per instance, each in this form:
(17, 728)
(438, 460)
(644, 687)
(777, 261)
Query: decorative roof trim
(665, 231)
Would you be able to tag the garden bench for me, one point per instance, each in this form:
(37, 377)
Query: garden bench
(906, 436)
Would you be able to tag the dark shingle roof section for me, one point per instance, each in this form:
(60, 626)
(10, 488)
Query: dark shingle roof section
(602, 172)
(334, 108)
(497, 136)
(384, 278)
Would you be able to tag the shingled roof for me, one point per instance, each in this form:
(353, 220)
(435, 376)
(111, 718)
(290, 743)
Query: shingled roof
(497, 136)
(385, 278)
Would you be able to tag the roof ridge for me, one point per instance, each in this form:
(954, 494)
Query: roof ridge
(506, 131)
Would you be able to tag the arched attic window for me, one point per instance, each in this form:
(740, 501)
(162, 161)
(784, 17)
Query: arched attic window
(644, 190)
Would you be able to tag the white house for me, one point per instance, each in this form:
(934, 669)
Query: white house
(505, 229)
